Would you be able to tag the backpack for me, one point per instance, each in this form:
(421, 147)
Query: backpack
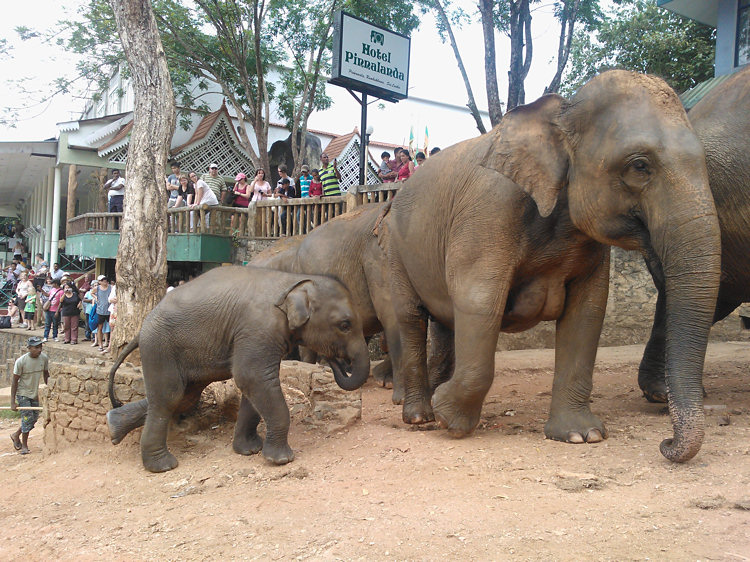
(93, 319)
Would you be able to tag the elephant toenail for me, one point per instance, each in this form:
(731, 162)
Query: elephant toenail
(594, 436)
(574, 437)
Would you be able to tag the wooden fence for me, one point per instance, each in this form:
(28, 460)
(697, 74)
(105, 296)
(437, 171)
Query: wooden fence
(268, 219)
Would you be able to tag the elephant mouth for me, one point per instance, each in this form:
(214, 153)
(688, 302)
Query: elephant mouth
(342, 373)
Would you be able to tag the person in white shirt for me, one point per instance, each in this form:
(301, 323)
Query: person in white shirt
(116, 193)
(56, 272)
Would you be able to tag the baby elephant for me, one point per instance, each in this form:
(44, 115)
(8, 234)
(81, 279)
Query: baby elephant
(236, 322)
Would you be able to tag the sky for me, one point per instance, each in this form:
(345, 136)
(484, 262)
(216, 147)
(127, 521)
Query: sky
(433, 75)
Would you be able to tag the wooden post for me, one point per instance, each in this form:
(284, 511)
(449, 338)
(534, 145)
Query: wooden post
(101, 202)
(72, 195)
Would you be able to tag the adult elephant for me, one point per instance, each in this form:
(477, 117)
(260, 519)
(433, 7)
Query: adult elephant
(513, 227)
(346, 248)
(722, 122)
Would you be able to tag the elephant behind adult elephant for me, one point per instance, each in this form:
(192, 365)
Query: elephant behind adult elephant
(513, 227)
(236, 322)
(721, 121)
(346, 248)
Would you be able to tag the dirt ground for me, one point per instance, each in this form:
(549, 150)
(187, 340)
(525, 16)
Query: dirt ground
(382, 490)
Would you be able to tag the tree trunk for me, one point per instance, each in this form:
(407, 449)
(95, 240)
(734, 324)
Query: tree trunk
(520, 52)
(471, 104)
(142, 253)
(568, 20)
(490, 70)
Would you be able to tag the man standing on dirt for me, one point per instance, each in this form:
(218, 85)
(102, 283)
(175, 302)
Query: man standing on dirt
(24, 391)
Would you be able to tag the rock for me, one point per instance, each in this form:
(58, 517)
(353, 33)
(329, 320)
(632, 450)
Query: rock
(709, 503)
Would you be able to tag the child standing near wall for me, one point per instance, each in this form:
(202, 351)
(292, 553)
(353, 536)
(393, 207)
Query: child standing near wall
(30, 309)
(24, 390)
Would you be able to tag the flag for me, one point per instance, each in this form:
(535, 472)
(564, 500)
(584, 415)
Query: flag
(426, 140)
(411, 139)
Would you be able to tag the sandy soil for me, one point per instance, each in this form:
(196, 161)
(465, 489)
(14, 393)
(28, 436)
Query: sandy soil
(382, 490)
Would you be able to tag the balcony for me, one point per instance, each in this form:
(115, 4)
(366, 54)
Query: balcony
(207, 234)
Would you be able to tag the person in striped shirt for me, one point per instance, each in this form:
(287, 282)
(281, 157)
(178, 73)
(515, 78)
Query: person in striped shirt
(330, 176)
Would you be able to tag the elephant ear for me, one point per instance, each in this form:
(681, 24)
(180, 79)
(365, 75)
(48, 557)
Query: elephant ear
(531, 150)
(295, 304)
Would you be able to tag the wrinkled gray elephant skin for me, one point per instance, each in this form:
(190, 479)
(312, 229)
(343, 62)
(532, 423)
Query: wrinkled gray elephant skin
(236, 322)
(346, 248)
(514, 227)
(722, 122)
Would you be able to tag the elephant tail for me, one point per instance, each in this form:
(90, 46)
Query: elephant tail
(125, 352)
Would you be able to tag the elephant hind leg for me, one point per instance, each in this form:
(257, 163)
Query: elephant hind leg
(125, 419)
(651, 370)
(441, 359)
(165, 394)
(246, 439)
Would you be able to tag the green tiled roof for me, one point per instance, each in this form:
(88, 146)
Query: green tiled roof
(695, 94)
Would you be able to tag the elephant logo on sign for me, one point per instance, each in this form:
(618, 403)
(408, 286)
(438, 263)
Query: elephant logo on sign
(376, 37)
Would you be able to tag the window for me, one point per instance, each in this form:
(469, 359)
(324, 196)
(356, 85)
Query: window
(742, 52)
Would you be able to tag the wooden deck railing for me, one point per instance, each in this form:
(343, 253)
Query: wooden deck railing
(264, 219)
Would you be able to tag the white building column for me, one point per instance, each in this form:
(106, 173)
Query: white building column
(48, 192)
(39, 240)
(34, 209)
(56, 195)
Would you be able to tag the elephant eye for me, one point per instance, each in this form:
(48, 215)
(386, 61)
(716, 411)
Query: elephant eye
(345, 326)
(637, 172)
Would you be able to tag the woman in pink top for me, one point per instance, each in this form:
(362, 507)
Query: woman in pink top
(260, 188)
(241, 191)
(407, 166)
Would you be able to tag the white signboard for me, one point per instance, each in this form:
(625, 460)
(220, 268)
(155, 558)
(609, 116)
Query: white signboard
(369, 58)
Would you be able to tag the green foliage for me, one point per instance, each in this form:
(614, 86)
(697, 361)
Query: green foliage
(216, 40)
(642, 37)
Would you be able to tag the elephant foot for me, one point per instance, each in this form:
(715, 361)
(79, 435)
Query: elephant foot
(398, 395)
(653, 386)
(458, 417)
(161, 462)
(278, 454)
(125, 419)
(417, 410)
(575, 427)
(383, 373)
(247, 445)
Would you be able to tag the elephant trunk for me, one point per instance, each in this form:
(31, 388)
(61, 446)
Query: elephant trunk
(359, 357)
(688, 246)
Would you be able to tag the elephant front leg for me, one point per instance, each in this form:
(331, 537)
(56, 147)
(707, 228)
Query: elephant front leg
(263, 390)
(458, 402)
(246, 439)
(577, 337)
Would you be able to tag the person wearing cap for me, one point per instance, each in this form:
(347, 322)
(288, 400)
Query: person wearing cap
(24, 390)
(330, 176)
(214, 181)
(101, 299)
(55, 295)
(242, 192)
(304, 181)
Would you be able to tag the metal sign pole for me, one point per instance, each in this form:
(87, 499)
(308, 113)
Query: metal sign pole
(363, 142)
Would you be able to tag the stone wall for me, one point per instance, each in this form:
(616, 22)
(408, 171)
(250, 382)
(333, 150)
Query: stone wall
(76, 400)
